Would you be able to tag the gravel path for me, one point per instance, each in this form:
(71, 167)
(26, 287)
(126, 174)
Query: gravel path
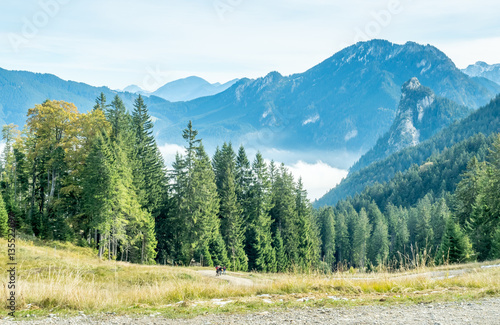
(482, 312)
(237, 281)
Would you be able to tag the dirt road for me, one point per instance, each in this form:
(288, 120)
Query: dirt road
(233, 280)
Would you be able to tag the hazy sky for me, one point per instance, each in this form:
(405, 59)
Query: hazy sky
(150, 42)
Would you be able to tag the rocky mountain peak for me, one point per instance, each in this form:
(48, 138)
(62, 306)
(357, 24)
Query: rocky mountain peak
(415, 101)
(411, 84)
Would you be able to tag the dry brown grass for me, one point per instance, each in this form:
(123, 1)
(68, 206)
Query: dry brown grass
(69, 278)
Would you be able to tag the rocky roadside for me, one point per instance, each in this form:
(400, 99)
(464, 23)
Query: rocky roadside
(486, 311)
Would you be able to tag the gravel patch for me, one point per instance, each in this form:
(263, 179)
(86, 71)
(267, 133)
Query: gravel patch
(486, 311)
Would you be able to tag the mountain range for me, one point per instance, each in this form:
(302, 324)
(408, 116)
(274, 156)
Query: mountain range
(483, 69)
(343, 104)
(183, 90)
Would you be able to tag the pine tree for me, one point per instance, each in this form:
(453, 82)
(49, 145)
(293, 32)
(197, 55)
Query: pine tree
(138, 242)
(342, 242)
(149, 171)
(100, 103)
(96, 192)
(424, 235)
(230, 212)
(439, 217)
(261, 254)
(243, 178)
(204, 209)
(379, 242)
(360, 239)
(327, 232)
(281, 262)
(284, 213)
(455, 247)
(232, 223)
(468, 190)
(398, 233)
(495, 245)
(116, 114)
(308, 243)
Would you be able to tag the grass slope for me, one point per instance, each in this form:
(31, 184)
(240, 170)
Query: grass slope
(59, 278)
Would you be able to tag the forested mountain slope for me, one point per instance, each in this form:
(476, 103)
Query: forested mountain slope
(485, 120)
(420, 115)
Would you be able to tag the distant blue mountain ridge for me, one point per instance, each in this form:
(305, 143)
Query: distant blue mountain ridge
(344, 103)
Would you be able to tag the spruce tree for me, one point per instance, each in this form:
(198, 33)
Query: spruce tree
(361, 235)
(284, 213)
(308, 241)
(230, 212)
(204, 209)
(424, 235)
(232, 227)
(342, 242)
(261, 254)
(96, 192)
(281, 262)
(455, 247)
(327, 232)
(379, 242)
(149, 170)
(100, 103)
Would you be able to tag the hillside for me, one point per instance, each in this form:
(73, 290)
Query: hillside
(420, 115)
(439, 175)
(486, 120)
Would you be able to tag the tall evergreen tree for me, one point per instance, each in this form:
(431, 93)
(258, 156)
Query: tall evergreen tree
(342, 242)
(149, 174)
(284, 214)
(379, 242)
(101, 103)
(360, 239)
(327, 231)
(261, 254)
(308, 243)
(424, 235)
(455, 246)
(281, 259)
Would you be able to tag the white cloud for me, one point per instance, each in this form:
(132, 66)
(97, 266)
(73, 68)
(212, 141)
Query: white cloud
(169, 151)
(312, 119)
(318, 178)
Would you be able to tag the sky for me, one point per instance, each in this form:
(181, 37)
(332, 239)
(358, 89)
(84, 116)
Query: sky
(151, 42)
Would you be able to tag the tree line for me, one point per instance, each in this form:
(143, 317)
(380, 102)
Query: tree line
(98, 179)
(444, 211)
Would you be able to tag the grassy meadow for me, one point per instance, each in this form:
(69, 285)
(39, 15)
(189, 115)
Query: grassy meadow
(60, 278)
